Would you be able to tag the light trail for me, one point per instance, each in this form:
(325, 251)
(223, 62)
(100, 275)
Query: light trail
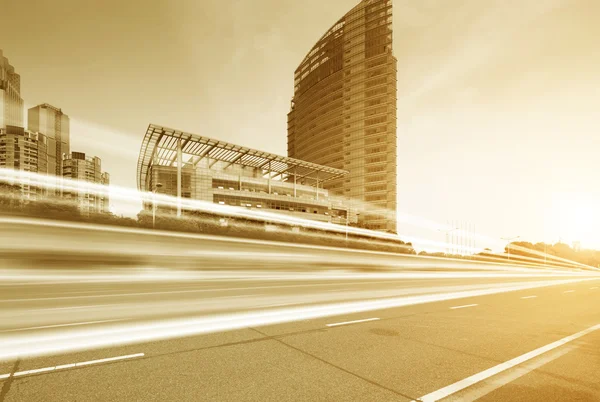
(127, 275)
(128, 195)
(77, 338)
(66, 237)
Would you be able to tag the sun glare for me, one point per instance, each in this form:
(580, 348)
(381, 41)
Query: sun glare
(574, 218)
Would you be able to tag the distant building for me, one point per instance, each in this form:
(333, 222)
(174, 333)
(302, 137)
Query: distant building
(11, 103)
(343, 113)
(78, 166)
(200, 168)
(55, 126)
(26, 151)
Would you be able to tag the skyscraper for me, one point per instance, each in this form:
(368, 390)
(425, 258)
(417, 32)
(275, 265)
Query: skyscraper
(11, 103)
(55, 126)
(343, 112)
(19, 149)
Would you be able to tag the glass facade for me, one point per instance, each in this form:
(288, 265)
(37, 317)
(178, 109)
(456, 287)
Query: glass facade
(343, 112)
(55, 125)
(11, 103)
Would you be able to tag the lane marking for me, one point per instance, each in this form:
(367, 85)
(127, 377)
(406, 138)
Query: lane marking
(528, 297)
(481, 390)
(568, 291)
(476, 378)
(60, 325)
(71, 365)
(337, 324)
(465, 306)
(595, 287)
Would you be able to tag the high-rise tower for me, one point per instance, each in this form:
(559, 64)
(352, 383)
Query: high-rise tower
(11, 103)
(343, 112)
(55, 126)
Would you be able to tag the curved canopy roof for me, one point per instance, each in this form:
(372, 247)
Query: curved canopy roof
(160, 146)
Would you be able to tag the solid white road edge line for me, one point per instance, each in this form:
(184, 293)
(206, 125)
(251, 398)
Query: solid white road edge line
(465, 306)
(528, 297)
(474, 379)
(71, 365)
(337, 324)
(509, 376)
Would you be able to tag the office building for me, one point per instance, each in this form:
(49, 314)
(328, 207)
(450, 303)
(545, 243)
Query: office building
(11, 103)
(343, 113)
(55, 126)
(25, 151)
(191, 166)
(78, 166)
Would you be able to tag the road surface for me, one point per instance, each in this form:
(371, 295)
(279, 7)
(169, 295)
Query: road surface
(327, 336)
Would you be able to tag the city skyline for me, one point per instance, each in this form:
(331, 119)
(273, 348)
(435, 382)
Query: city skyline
(510, 180)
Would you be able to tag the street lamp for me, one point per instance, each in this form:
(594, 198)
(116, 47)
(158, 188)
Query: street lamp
(509, 240)
(447, 232)
(156, 187)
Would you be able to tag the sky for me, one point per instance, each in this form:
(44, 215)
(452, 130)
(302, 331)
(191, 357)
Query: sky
(498, 101)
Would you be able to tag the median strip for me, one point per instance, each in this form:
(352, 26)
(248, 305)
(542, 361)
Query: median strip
(71, 365)
(337, 324)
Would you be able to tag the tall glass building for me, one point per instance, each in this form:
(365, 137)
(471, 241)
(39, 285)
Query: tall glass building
(11, 103)
(55, 126)
(343, 112)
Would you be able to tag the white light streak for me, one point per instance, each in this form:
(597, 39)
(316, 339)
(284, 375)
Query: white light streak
(73, 339)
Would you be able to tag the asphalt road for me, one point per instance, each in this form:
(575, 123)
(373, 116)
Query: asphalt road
(330, 337)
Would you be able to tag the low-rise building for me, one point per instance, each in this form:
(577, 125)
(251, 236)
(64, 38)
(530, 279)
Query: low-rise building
(78, 166)
(200, 168)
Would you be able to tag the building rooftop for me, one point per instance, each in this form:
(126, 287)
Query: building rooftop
(160, 147)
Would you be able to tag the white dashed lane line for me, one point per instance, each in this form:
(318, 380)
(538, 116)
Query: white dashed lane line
(465, 306)
(337, 324)
(70, 365)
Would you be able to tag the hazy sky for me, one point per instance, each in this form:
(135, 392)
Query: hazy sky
(498, 100)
